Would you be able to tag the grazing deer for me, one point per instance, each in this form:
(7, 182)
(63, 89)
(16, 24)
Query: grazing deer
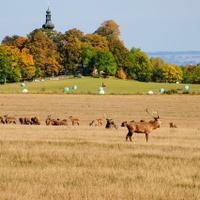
(35, 120)
(74, 121)
(142, 127)
(96, 122)
(9, 120)
(172, 125)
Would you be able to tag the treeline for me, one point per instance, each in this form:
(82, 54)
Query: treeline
(47, 52)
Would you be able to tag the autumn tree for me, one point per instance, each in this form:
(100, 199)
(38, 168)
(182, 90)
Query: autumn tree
(96, 41)
(109, 29)
(9, 40)
(9, 64)
(172, 73)
(42, 49)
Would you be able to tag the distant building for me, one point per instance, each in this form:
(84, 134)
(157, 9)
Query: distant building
(48, 24)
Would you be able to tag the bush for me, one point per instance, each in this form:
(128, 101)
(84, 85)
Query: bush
(171, 91)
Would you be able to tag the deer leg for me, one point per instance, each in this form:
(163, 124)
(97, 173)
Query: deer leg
(147, 137)
(129, 135)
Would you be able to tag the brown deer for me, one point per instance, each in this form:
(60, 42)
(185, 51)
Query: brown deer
(110, 122)
(142, 127)
(172, 125)
(74, 121)
(35, 120)
(9, 120)
(96, 122)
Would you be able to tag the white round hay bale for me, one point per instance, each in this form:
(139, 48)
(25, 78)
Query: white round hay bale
(24, 91)
(101, 92)
(150, 92)
(177, 82)
(22, 84)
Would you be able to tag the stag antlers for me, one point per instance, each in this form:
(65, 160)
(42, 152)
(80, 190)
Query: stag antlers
(155, 111)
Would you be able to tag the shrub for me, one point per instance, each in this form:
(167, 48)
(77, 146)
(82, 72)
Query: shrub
(171, 91)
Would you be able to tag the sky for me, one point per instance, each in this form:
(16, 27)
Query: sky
(151, 25)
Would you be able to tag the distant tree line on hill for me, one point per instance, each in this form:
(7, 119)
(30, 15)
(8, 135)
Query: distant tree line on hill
(47, 52)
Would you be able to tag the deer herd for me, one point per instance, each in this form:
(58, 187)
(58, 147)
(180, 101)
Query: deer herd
(132, 126)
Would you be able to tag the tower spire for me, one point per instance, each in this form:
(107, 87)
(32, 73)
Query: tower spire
(48, 24)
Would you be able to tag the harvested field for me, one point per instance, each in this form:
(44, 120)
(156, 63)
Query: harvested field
(83, 162)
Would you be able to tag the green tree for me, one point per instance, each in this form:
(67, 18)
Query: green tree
(158, 64)
(104, 61)
(142, 67)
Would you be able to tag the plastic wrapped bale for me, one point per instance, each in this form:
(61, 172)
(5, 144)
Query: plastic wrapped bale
(161, 90)
(186, 87)
(22, 84)
(74, 87)
(100, 89)
(66, 89)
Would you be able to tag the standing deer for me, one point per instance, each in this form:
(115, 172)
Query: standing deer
(142, 127)
(74, 121)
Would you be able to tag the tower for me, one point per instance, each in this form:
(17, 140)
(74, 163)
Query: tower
(48, 24)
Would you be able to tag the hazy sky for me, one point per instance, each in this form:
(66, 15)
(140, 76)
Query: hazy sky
(152, 25)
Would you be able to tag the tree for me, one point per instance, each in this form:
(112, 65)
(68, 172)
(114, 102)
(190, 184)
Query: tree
(158, 65)
(120, 53)
(109, 29)
(42, 48)
(104, 61)
(97, 41)
(26, 64)
(9, 41)
(142, 67)
(9, 64)
(172, 73)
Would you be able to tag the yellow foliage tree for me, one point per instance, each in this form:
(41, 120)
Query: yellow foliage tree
(121, 74)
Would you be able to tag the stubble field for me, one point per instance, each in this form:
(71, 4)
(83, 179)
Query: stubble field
(83, 162)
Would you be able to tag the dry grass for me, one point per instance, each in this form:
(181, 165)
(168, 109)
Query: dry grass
(83, 162)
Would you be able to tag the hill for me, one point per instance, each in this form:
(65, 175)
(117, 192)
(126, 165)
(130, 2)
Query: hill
(178, 57)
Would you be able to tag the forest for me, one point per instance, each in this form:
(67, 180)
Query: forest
(47, 53)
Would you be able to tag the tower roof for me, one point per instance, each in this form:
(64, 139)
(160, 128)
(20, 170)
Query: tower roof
(48, 24)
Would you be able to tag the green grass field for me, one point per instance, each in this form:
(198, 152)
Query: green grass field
(88, 85)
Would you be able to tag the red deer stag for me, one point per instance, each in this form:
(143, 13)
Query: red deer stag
(96, 122)
(74, 121)
(142, 127)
